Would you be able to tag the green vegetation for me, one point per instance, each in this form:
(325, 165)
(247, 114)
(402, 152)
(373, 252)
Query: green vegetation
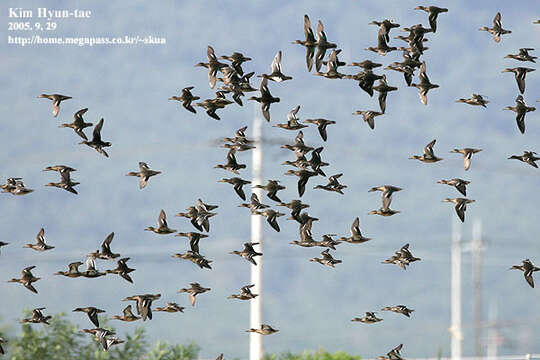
(317, 355)
(63, 340)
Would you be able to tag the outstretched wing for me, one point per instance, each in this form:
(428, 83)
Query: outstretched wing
(497, 21)
(40, 239)
(276, 63)
(105, 246)
(97, 131)
(428, 150)
(162, 219)
(210, 54)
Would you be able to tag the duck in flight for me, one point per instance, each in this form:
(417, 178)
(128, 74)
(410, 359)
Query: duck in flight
(78, 123)
(521, 109)
(467, 156)
(528, 157)
(528, 269)
(96, 143)
(162, 228)
(266, 99)
(56, 100)
(459, 184)
(144, 174)
(310, 43)
(213, 66)
(497, 30)
(429, 155)
(475, 100)
(276, 74)
(186, 98)
(40, 244)
(461, 206)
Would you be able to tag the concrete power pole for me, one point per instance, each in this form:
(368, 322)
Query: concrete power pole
(493, 334)
(455, 328)
(255, 340)
(477, 248)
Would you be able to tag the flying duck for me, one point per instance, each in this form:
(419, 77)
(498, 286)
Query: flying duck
(461, 206)
(497, 29)
(186, 98)
(56, 100)
(96, 142)
(144, 174)
(162, 228)
(40, 244)
(521, 109)
(78, 123)
(467, 155)
(429, 155)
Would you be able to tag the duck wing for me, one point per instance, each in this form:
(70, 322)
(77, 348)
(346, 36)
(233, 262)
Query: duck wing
(428, 150)
(334, 179)
(272, 220)
(276, 63)
(497, 21)
(467, 160)
(308, 32)
(80, 132)
(30, 287)
(386, 200)
(273, 195)
(194, 223)
(326, 255)
(187, 106)
(291, 116)
(211, 54)
(162, 219)
(355, 227)
(194, 244)
(127, 277)
(106, 246)
(322, 132)
(461, 187)
(40, 237)
(422, 73)
(382, 38)
(143, 180)
(97, 131)
(212, 77)
(74, 267)
(78, 116)
(520, 120)
(93, 316)
(56, 107)
(319, 56)
(529, 278)
(239, 190)
(302, 181)
(520, 79)
(265, 107)
(321, 35)
(460, 211)
(433, 21)
(127, 312)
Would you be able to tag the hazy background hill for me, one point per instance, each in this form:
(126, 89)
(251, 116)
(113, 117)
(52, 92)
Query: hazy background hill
(311, 305)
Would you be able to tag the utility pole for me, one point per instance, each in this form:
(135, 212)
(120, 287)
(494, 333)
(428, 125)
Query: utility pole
(477, 247)
(493, 334)
(255, 340)
(455, 328)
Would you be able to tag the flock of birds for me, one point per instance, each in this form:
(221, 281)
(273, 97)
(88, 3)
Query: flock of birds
(235, 82)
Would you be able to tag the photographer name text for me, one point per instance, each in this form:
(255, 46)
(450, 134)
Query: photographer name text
(48, 14)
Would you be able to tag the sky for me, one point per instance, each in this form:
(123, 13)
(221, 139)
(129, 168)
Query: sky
(312, 305)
